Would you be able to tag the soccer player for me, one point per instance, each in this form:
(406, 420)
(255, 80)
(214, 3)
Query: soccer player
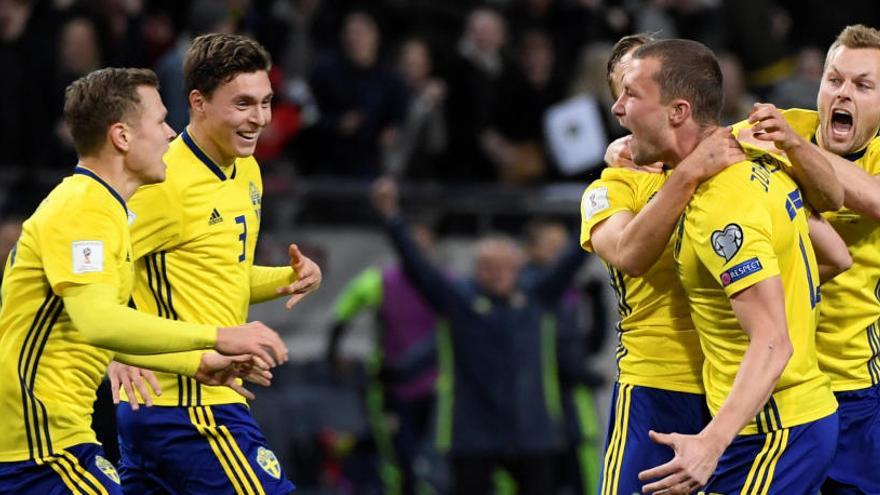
(848, 337)
(65, 292)
(747, 265)
(193, 240)
(628, 219)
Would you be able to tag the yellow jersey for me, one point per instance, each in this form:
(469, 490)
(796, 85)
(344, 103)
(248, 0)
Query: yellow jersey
(194, 238)
(78, 235)
(745, 225)
(657, 344)
(848, 335)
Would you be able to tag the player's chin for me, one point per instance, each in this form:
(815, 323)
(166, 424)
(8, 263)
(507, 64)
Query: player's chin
(244, 148)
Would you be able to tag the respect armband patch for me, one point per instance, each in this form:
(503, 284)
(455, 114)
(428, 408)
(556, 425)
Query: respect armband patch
(740, 271)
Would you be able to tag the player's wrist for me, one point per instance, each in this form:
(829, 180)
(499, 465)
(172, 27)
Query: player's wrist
(792, 143)
(717, 436)
(689, 176)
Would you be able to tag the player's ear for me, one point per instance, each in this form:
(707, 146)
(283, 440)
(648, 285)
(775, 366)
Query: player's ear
(197, 101)
(679, 112)
(119, 135)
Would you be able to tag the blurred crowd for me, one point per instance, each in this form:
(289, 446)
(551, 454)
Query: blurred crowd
(505, 91)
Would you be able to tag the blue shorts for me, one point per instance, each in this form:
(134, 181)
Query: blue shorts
(634, 411)
(82, 468)
(209, 450)
(856, 467)
(787, 461)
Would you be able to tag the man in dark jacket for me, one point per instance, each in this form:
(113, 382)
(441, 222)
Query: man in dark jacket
(499, 402)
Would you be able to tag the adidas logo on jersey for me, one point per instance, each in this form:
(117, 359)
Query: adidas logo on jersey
(215, 217)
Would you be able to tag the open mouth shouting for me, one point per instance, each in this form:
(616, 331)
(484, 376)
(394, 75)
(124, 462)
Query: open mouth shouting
(842, 124)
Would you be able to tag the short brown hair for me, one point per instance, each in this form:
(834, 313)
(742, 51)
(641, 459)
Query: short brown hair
(690, 71)
(621, 48)
(856, 36)
(100, 99)
(214, 59)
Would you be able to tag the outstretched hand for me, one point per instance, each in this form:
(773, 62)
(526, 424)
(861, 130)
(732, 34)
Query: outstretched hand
(308, 277)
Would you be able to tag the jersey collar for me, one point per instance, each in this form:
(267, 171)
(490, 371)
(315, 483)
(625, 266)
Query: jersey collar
(84, 171)
(852, 156)
(213, 167)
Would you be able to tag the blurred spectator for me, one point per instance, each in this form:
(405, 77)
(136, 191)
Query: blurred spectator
(293, 31)
(498, 397)
(571, 25)
(578, 339)
(205, 16)
(691, 19)
(362, 103)
(818, 22)
(515, 141)
(28, 53)
(758, 32)
(800, 90)
(19, 204)
(80, 53)
(399, 403)
(422, 139)
(130, 38)
(473, 86)
(294, 37)
(737, 100)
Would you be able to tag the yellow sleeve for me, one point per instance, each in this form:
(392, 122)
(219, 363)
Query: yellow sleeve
(179, 363)
(266, 279)
(157, 218)
(804, 122)
(734, 244)
(104, 323)
(82, 247)
(610, 194)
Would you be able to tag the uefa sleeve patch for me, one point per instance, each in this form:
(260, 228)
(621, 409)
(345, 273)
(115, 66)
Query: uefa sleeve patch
(88, 256)
(740, 271)
(595, 201)
(727, 242)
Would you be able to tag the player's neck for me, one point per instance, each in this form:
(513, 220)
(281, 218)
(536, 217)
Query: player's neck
(686, 140)
(206, 144)
(113, 172)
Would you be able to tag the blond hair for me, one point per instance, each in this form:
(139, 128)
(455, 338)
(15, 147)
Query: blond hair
(855, 36)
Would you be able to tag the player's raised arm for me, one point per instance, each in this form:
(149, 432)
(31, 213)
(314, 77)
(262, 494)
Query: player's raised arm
(810, 166)
(633, 243)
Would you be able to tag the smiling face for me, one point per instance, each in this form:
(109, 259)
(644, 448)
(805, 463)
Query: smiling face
(639, 109)
(234, 115)
(849, 99)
